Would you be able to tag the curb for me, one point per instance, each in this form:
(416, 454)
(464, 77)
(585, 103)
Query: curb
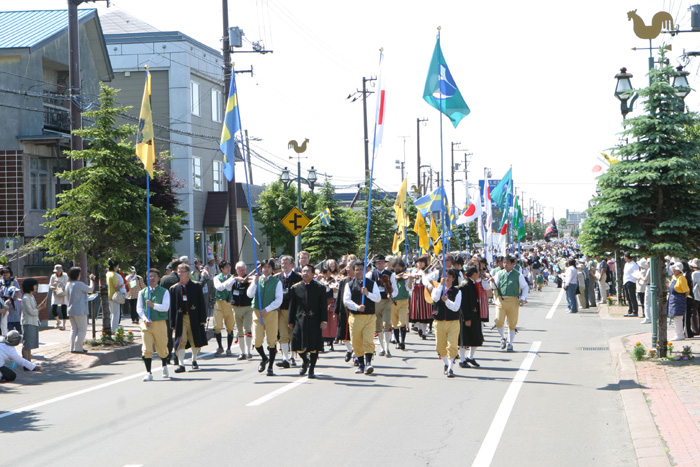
(646, 438)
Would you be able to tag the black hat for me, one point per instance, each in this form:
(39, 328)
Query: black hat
(378, 258)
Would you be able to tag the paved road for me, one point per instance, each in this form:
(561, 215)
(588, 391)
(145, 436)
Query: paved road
(558, 406)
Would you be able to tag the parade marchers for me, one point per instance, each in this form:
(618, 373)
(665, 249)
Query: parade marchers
(299, 311)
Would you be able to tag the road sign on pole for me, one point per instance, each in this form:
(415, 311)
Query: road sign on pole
(295, 221)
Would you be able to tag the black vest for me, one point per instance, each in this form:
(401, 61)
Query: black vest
(377, 279)
(440, 310)
(287, 283)
(242, 298)
(356, 295)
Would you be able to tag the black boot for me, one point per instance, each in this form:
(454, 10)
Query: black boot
(147, 362)
(304, 364)
(263, 363)
(403, 338)
(369, 369)
(273, 353)
(312, 366)
(360, 365)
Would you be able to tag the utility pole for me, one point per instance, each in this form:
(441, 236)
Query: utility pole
(452, 168)
(76, 117)
(418, 122)
(232, 202)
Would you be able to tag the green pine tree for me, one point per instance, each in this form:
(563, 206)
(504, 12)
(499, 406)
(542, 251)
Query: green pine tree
(332, 241)
(645, 202)
(104, 215)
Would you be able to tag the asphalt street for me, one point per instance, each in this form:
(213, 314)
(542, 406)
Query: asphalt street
(552, 402)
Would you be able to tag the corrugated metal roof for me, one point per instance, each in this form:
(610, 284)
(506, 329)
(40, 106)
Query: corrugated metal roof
(33, 29)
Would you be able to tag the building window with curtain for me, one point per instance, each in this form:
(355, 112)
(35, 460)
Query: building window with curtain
(217, 169)
(194, 88)
(197, 173)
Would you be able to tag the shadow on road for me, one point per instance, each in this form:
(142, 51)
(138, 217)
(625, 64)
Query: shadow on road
(22, 421)
(623, 384)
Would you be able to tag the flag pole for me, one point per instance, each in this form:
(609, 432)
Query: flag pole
(371, 178)
(441, 110)
(247, 184)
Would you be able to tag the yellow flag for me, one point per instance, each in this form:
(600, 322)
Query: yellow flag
(395, 245)
(422, 232)
(401, 198)
(437, 241)
(145, 144)
(611, 160)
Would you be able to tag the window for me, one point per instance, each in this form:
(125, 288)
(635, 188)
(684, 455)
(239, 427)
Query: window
(39, 183)
(217, 169)
(217, 104)
(197, 173)
(194, 88)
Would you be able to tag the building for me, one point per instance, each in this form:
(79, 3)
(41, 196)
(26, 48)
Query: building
(187, 99)
(35, 118)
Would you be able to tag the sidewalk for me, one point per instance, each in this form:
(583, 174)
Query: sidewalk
(661, 398)
(55, 356)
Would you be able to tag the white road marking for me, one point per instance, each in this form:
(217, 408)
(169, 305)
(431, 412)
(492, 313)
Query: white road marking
(493, 436)
(556, 304)
(279, 391)
(81, 392)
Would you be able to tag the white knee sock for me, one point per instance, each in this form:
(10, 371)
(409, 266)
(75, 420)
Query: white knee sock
(450, 363)
(181, 356)
(387, 339)
(472, 352)
(247, 347)
(348, 346)
(285, 351)
(511, 337)
(502, 332)
(195, 352)
(446, 360)
(462, 351)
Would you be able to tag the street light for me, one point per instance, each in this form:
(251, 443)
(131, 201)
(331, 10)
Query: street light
(310, 180)
(680, 82)
(624, 90)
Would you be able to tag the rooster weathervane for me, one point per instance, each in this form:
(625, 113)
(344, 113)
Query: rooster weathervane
(661, 20)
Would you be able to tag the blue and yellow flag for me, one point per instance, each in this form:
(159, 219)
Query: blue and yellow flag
(432, 202)
(232, 125)
(325, 217)
(145, 144)
(441, 90)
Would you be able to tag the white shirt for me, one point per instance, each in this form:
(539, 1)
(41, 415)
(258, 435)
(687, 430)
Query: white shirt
(436, 295)
(392, 278)
(570, 275)
(524, 288)
(225, 285)
(435, 275)
(8, 352)
(279, 295)
(141, 309)
(628, 273)
(373, 295)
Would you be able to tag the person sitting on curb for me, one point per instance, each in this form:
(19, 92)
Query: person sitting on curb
(8, 352)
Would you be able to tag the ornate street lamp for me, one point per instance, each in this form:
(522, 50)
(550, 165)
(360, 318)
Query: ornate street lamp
(624, 90)
(680, 82)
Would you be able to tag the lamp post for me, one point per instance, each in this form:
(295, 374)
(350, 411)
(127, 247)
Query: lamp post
(310, 181)
(624, 91)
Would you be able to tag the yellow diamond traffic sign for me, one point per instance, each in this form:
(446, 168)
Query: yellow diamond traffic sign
(295, 221)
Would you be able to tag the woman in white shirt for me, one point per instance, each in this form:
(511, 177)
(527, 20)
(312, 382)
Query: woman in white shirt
(59, 299)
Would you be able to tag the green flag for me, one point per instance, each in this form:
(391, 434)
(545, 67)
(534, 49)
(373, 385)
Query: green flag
(441, 90)
(518, 220)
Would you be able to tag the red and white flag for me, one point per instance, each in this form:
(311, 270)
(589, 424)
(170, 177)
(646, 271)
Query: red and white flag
(381, 108)
(473, 212)
(502, 239)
